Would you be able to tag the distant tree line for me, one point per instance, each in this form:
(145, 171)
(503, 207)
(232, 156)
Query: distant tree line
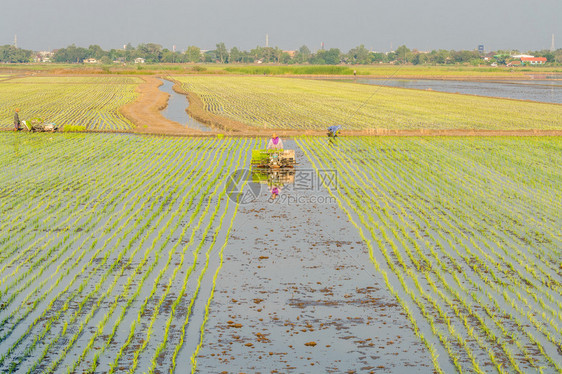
(155, 53)
(11, 54)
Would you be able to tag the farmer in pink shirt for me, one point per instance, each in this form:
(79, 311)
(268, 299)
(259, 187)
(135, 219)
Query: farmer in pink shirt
(275, 143)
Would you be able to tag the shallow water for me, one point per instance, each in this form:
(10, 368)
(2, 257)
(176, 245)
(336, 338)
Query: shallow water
(542, 90)
(299, 293)
(175, 111)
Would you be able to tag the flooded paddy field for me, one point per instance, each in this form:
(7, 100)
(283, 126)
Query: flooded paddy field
(298, 294)
(541, 90)
(150, 254)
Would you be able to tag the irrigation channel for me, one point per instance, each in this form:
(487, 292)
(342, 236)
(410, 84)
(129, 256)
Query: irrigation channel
(175, 111)
(542, 90)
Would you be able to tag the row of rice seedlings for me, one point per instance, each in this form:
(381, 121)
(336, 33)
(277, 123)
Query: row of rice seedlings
(243, 150)
(211, 295)
(344, 203)
(41, 296)
(37, 299)
(407, 275)
(146, 231)
(526, 278)
(111, 225)
(39, 260)
(208, 184)
(523, 211)
(428, 262)
(493, 286)
(168, 288)
(195, 176)
(40, 256)
(378, 178)
(77, 103)
(529, 171)
(509, 296)
(101, 298)
(15, 206)
(423, 263)
(456, 268)
(491, 251)
(277, 102)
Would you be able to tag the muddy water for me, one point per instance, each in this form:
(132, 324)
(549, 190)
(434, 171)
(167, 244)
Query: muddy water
(298, 293)
(175, 111)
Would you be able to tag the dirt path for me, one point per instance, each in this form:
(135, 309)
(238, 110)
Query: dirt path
(145, 111)
(298, 293)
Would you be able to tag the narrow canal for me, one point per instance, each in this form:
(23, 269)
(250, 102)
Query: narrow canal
(175, 111)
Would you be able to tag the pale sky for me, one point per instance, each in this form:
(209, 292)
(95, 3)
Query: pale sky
(344, 24)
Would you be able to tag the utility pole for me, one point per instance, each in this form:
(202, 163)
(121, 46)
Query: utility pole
(552, 49)
(16, 41)
(266, 40)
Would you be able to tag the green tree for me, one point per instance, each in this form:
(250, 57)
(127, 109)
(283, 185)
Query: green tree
(303, 55)
(378, 57)
(558, 56)
(71, 54)
(402, 54)
(359, 55)
(285, 58)
(257, 53)
(11, 54)
(222, 53)
(95, 51)
(236, 55)
(333, 56)
(318, 58)
(210, 56)
(193, 54)
(105, 60)
(151, 52)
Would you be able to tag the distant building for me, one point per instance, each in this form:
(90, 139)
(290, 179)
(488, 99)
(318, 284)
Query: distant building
(90, 61)
(514, 63)
(481, 49)
(139, 60)
(290, 53)
(44, 56)
(533, 60)
(522, 56)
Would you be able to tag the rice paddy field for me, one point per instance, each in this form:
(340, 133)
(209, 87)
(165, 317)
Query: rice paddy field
(285, 103)
(92, 102)
(128, 253)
